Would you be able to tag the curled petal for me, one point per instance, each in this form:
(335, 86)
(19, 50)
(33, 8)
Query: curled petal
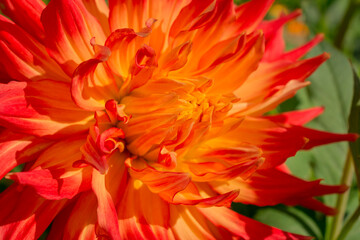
(93, 83)
(166, 184)
(124, 45)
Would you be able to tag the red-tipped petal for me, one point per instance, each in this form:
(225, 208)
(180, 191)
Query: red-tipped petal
(22, 52)
(245, 227)
(26, 13)
(250, 14)
(16, 149)
(26, 215)
(54, 184)
(299, 117)
(68, 29)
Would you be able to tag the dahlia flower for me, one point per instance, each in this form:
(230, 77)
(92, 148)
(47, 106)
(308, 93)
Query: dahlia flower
(146, 119)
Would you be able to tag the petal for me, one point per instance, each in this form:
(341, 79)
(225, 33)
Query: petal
(227, 78)
(250, 14)
(42, 108)
(16, 149)
(271, 187)
(273, 31)
(244, 227)
(22, 52)
(100, 10)
(69, 27)
(166, 184)
(26, 13)
(297, 53)
(317, 137)
(138, 220)
(299, 117)
(26, 215)
(124, 44)
(276, 141)
(72, 223)
(106, 212)
(275, 82)
(93, 83)
(54, 184)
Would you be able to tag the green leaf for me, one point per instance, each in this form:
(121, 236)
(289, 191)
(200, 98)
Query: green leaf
(289, 219)
(354, 126)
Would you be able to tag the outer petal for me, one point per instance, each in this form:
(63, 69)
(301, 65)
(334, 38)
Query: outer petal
(24, 58)
(299, 117)
(69, 28)
(53, 176)
(52, 184)
(26, 215)
(244, 227)
(271, 186)
(250, 14)
(16, 149)
(72, 223)
(42, 108)
(26, 13)
(273, 83)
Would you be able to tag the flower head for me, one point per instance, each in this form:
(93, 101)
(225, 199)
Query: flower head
(145, 119)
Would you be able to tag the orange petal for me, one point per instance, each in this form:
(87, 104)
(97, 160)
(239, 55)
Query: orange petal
(93, 83)
(166, 184)
(42, 108)
(68, 29)
(106, 212)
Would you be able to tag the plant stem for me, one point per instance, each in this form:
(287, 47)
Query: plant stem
(349, 224)
(342, 199)
(344, 25)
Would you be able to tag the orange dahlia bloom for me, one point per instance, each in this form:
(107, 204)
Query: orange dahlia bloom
(144, 119)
